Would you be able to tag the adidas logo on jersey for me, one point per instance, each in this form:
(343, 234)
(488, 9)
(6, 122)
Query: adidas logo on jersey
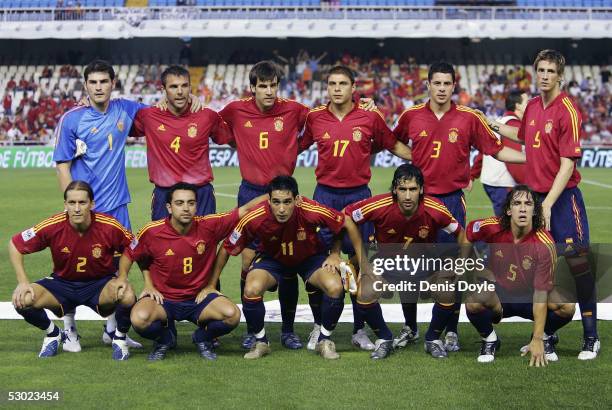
(532, 123)
(161, 128)
(65, 249)
(499, 253)
(423, 133)
(391, 231)
(169, 252)
(248, 124)
(274, 238)
(326, 136)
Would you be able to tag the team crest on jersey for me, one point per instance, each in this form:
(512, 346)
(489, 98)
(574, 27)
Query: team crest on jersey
(301, 234)
(278, 124)
(96, 251)
(200, 247)
(548, 126)
(326, 136)
(192, 130)
(527, 262)
(120, 126)
(28, 234)
(453, 134)
(357, 134)
(423, 232)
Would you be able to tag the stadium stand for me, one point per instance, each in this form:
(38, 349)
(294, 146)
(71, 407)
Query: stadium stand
(34, 97)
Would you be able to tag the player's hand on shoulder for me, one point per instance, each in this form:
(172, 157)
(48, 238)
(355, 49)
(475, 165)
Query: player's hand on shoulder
(20, 295)
(332, 263)
(536, 349)
(153, 293)
(84, 101)
(162, 104)
(205, 292)
(367, 104)
(196, 103)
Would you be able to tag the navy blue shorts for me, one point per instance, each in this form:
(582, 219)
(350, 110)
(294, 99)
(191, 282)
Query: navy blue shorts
(205, 197)
(339, 198)
(569, 225)
(246, 193)
(455, 202)
(497, 195)
(278, 270)
(70, 293)
(524, 310)
(188, 309)
(121, 214)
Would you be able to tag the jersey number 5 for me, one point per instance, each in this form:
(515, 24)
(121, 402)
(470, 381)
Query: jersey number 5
(536, 144)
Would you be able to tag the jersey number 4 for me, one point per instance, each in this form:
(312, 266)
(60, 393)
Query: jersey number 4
(176, 144)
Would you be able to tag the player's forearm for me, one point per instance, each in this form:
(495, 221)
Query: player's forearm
(125, 263)
(563, 176)
(539, 318)
(511, 155)
(402, 150)
(220, 262)
(17, 261)
(505, 130)
(466, 246)
(63, 175)
(146, 276)
(355, 237)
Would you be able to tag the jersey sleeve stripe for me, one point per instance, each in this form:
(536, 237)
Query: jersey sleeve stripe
(249, 217)
(542, 237)
(482, 121)
(413, 108)
(212, 216)
(307, 206)
(574, 116)
(432, 204)
(39, 227)
(149, 226)
(113, 224)
(377, 204)
(317, 209)
(58, 217)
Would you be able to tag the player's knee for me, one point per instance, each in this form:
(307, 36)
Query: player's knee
(474, 307)
(129, 297)
(232, 315)
(333, 288)
(140, 318)
(253, 290)
(566, 310)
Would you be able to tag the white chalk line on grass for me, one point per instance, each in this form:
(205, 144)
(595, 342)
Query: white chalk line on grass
(600, 184)
(392, 313)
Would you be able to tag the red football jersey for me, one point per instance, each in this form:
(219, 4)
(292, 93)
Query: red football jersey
(180, 265)
(523, 266)
(291, 242)
(392, 226)
(518, 171)
(77, 257)
(441, 148)
(549, 134)
(345, 145)
(266, 141)
(177, 147)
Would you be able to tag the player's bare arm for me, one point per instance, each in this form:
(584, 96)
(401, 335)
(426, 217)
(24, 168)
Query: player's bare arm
(244, 209)
(511, 155)
(402, 150)
(125, 263)
(63, 174)
(536, 346)
(220, 262)
(566, 168)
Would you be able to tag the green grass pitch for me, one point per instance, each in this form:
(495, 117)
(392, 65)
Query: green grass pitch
(286, 379)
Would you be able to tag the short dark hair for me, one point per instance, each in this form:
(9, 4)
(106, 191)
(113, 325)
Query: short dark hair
(78, 185)
(175, 70)
(283, 183)
(264, 71)
(514, 97)
(552, 56)
(536, 222)
(99, 66)
(406, 172)
(183, 186)
(342, 69)
(441, 67)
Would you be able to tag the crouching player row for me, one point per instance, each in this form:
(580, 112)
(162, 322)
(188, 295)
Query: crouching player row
(522, 262)
(82, 243)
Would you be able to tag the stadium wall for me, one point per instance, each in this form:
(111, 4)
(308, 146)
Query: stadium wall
(17, 157)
